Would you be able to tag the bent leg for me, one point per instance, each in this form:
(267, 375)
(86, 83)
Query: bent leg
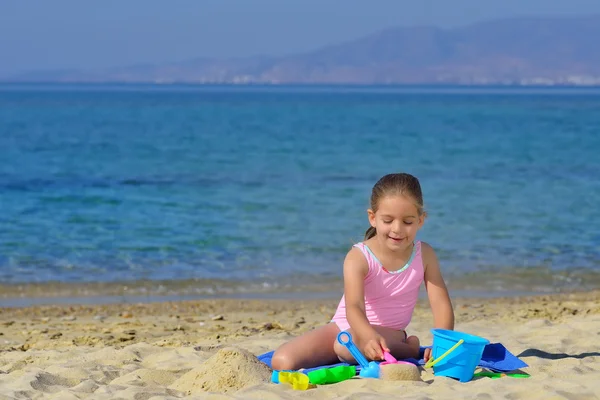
(312, 349)
(400, 346)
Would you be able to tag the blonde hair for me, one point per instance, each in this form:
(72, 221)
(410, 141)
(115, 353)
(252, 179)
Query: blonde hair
(395, 184)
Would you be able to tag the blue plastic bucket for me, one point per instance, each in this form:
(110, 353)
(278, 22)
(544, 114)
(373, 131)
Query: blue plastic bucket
(460, 363)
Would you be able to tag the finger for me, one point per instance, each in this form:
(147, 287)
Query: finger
(384, 345)
(375, 351)
(368, 351)
(372, 355)
(427, 355)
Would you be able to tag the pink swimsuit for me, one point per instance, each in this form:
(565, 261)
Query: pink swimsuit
(390, 297)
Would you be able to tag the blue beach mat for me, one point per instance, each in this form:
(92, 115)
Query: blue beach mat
(495, 358)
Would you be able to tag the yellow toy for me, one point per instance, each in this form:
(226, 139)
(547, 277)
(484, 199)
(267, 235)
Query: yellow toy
(298, 380)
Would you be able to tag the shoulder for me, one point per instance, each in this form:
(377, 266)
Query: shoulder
(355, 262)
(428, 255)
(426, 248)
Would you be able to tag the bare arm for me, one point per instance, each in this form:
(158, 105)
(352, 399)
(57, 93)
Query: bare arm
(439, 299)
(372, 344)
(355, 271)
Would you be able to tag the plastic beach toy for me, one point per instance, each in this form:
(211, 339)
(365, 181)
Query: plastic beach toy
(368, 369)
(324, 376)
(455, 354)
(298, 380)
(496, 375)
(390, 359)
(432, 361)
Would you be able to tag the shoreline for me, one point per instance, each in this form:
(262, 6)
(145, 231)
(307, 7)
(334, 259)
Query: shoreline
(100, 300)
(150, 291)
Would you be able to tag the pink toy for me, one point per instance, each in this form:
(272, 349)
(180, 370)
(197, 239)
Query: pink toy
(389, 359)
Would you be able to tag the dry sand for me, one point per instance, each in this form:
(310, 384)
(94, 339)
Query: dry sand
(205, 350)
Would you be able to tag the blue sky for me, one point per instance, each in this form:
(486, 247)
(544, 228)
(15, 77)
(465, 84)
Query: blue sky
(36, 35)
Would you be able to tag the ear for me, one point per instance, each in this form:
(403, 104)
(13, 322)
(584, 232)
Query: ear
(371, 215)
(422, 219)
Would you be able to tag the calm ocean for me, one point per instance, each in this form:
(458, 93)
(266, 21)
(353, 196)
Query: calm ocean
(262, 187)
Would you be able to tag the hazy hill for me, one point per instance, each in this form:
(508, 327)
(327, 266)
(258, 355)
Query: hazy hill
(517, 50)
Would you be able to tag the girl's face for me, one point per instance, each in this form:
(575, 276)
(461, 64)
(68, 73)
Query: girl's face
(397, 221)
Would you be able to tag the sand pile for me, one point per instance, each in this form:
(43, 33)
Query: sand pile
(229, 370)
(400, 372)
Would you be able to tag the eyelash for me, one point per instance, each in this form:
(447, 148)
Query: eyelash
(389, 222)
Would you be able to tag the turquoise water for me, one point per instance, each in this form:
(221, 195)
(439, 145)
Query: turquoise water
(262, 185)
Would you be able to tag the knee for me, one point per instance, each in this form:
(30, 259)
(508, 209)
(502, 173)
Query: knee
(342, 353)
(282, 360)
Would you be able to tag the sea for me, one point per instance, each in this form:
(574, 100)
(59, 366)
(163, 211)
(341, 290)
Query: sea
(226, 190)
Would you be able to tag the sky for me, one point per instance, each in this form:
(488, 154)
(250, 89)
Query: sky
(75, 34)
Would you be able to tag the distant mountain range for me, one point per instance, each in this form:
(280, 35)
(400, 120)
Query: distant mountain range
(526, 50)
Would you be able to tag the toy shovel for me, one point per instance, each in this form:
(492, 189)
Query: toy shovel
(367, 369)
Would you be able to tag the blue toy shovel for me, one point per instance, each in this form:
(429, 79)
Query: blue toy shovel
(368, 369)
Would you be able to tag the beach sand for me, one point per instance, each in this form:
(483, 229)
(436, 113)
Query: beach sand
(206, 350)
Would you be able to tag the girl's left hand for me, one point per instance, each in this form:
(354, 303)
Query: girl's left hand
(427, 355)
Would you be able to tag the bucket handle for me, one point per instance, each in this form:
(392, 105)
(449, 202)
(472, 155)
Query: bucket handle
(432, 362)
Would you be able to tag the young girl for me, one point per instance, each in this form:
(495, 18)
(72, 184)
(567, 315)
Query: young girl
(382, 276)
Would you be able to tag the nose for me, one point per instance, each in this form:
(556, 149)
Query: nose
(396, 226)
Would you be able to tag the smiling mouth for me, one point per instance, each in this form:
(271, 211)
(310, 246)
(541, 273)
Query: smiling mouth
(395, 239)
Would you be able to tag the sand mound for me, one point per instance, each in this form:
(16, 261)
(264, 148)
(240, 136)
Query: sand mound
(229, 370)
(400, 372)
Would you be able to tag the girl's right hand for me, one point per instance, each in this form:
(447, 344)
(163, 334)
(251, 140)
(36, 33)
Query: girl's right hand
(374, 347)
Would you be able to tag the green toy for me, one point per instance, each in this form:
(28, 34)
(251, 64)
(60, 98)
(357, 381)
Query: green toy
(324, 376)
(496, 375)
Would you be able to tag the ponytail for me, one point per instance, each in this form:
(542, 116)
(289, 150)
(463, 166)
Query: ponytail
(371, 232)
